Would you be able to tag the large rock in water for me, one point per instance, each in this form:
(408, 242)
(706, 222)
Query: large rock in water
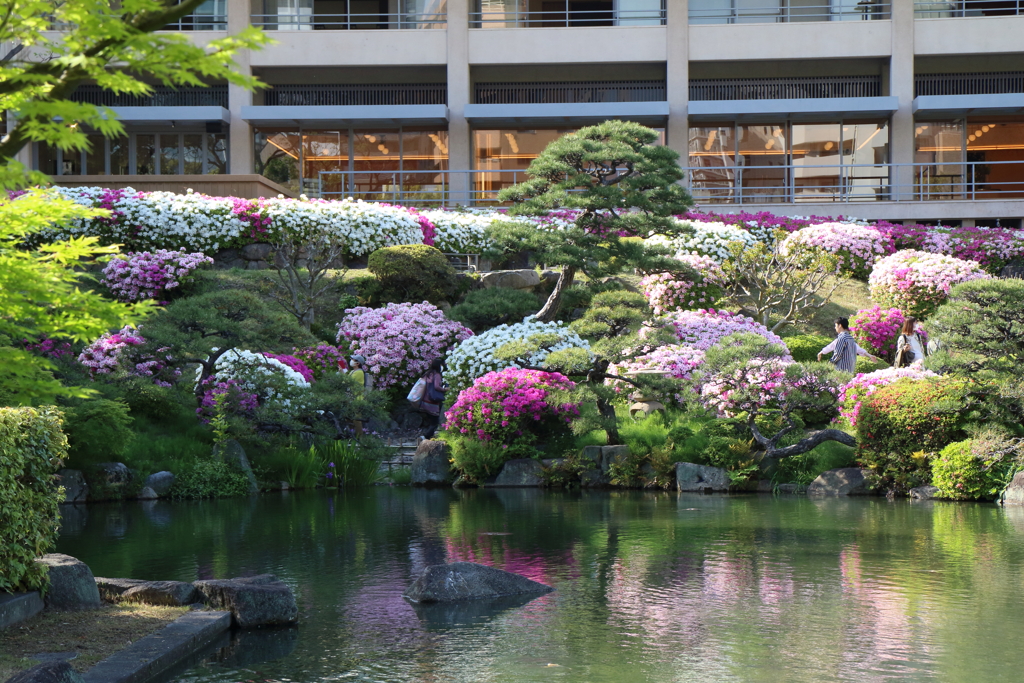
(254, 601)
(431, 466)
(469, 581)
(846, 481)
(72, 585)
(48, 672)
(76, 490)
(160, 482)
(693, 478)
(171, 593)
(521, 472)
(1014, 493)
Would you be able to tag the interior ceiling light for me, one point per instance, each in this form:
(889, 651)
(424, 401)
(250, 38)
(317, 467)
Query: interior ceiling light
(370, 138)
(971, 138)
(769, 144)
(978, 133)
(777, 133)
(711, 140)
(985, 129)
(829, 145)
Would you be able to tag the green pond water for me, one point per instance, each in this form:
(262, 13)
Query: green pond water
(650, 586)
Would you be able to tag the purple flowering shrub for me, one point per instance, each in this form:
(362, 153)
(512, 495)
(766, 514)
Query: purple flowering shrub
(877, 328)
(399, 340)
(49, 348)
(666, 292)
(120, 350)
(856, 246)
(236, 399)
(151, 275)
(917, 282)
(322, 359)
(703, 329)
(993, 248)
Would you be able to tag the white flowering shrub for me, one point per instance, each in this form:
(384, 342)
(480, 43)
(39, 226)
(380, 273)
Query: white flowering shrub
(460, 232)
(474, 357)
(268, 378)
(709, 239)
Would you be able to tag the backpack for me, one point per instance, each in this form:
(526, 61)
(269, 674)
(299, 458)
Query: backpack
(433, 394)
(905, 356)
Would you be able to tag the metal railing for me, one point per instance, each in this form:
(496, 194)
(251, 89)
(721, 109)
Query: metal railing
(348, 21)
(199, 22)
(782, 11)
(212, 96)
(785, 88)
(948, 9)
(785, 184)
(521, 18)
(569, 92)
(969, 84)
(356, 95)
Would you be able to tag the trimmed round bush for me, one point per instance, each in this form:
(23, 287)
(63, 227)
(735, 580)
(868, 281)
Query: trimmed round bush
(413, 272)
(805, 347)
(151, 275)
(668, 292)
(853, 393)
(856, 246)
(917, 282)
(975, 469)
(460, 232)
(98, 430)
(483, 309)
(877, 329)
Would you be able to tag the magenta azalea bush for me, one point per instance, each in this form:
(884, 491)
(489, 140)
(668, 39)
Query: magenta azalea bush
(116, 350)
(400, 340)
(151, 275)
(853, 393)
(322, 359)
(993, 248)
(512, 406)
(666, 292)
(877, 329)
(856, 246)
(236, 399)
(295, 364)
(702, 328)
(917, 282)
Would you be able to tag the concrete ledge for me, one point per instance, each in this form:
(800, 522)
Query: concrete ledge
(16, 607)
(146, 659)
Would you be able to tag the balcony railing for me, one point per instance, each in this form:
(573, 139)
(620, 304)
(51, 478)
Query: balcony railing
(777, 11)
(348, 21)
(512, 17)
(209, 16)
(212, 96)
(785, 88)
(569, 92)
(947, 9)
(356, 95)
(969, 84)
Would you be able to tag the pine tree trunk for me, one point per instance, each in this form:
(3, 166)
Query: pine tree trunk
(549, 312)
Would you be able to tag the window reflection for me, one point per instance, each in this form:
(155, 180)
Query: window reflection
(277, 157)
(969, 159)
(145, 154)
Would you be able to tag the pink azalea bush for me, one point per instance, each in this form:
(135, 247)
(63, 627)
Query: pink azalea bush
(512, 406)
(150, 275)
(853, 393)
(763, 384)
(322, 359)
(116, 350)
(400, 340)
(856, 246)
(993, 248)
(675, 361)
(702, 328)
(236, 399)
(49, 348)
(917, 282)
(876, 329)
(666, 292)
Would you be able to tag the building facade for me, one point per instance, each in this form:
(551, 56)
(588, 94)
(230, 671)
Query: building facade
(885, 109)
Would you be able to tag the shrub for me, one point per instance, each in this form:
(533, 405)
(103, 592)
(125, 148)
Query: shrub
(856, 246)
(322, 359)
(805, 347)
(978, 468)
(209, 478)
(703, 329)
(461, 232)
(350, 463)
(151, 275)
(993, 248)
(805, 468)
(413, 272)
(877, 329)
(483, 309)
(902, 422)
(853, 393)
(399, 341)
(98, 431)
(667, 292)
(917, 282)
(676, 361)
(709, 239)
(32, 448)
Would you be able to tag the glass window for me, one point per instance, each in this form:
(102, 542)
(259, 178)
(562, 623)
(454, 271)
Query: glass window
(277, 157)
(996, 152)
(192, 153)
(817, 161)
(865, 159)
(376, 157)
(424, 153)
(145, 154)
(216, 154)
(96, 157)
(939, 151)
(47, 159)
(424, 13)
(638, 12)
(501, 13)
(71, 162)
(170, 154)
(119, 158)
(324, 152)
(712, 153)
(762, 154)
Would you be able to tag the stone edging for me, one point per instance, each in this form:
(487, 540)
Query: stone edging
(18, 607)
(150, 657)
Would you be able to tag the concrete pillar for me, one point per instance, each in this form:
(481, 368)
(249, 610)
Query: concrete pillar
(677, 77)
(901, 85)
(459, 95)
(240, 144)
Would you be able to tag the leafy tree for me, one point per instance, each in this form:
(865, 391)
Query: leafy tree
(620, 183)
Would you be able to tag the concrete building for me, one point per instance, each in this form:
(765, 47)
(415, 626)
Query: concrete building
(895, 109)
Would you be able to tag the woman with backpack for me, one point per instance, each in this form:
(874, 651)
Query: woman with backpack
(910, 347)
(427, 395)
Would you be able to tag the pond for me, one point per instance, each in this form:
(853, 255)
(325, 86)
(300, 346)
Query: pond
(650, 586)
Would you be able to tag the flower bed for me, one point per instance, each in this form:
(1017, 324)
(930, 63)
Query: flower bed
(877, 329)
(853, 393)
(857, 247)
(709, 239)
(400, 340)
(665, 292)
(993, 248)
(702, 329)
(460, 232)
(322, 359)
(150, 275)
(917, 282)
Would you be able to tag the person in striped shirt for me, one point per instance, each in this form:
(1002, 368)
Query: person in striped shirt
(844, 348)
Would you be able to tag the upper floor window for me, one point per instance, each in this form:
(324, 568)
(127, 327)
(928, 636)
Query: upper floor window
(344, 15)
(774, 11)
(212, 15)
(562, 13)
(930, 9)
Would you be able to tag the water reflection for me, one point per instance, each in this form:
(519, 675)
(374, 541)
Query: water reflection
(650, 586)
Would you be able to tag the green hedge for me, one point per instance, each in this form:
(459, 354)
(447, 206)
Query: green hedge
(32, 448)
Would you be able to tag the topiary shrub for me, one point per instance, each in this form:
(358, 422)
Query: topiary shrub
(413, 272)
(900, 423)
(98, 431)
(32, 448)
(857, 247)
(805, 347)
(978, 468)
(917, 282)
(483, 309)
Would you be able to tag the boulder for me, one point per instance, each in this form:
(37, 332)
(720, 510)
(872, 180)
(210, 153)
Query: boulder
(147, 494)
(115, 472)
(469, 581)
(254, 601)
(257, 265)
(611, 455)
(72, 585)
(48, 672)
(233, 454)
(1014, 493)
(792, 488)
(111, 590)
(521, 472)
(511, 279)
(924, 493)
(76, 490)
(846, 481)
(257, 252)
(431, 466)
(171, 593)
(593, 479)
(691, 477)
(160, 482)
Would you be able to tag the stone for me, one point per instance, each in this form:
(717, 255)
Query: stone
(924, 492)
(521, 472)
(170, 593)
(147, 494)
(846, 481)
(431, 465)
(645, 407)
(111, 590)
(765, 486)
(611, 455)
(593, 479)
(161, 482)
(792, 488)
(260, 251)
(593, 454)
(72, 585)
(76, 489)
(1013, 269)
(257, 265)
(48, 672)
(226, 255)
(469, 581)
(550, 463)
(239, 263)
(1014, 493)
(254, 601)
(691, 477)
(16, 607)
(510, 279)
(233, 454)
(115, 472)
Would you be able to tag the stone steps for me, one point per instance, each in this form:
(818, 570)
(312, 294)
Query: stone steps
(402, 452)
